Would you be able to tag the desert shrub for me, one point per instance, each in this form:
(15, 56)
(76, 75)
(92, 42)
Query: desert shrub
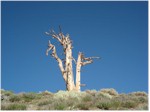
(102, 96)
(129, 104)
(47, 93)
(72, 94)
(71, 101)
(104, 105)
(14, 98)
(4, 98)
(64, 100)
(2, 91)
(7, 93)
(111, 91)
(14, 107)
(58, 103)
(142, 99)
(29, 96)
(142, 106)
(82, 106)
(61, 94)
(115, 105)
(145, 107)
(59, 106)
(44, 102)
(139, 93)
(64, 104)
(3, 107)
(91, 92)
(87, 98)
(126, 101)
(123, 98)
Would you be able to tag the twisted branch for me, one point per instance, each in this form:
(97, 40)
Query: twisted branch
(54, 54)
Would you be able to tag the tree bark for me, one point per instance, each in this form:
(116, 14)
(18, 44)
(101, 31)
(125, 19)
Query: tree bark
(69, 69)
(78, 70)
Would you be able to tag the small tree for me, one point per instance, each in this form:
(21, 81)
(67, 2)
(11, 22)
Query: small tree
(65, 65)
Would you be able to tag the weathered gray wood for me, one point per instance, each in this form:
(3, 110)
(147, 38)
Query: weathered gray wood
(78, 72)
(66, 64)
(54, 54)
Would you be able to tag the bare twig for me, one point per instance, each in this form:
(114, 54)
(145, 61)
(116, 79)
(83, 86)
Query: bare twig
(74, 60)
(82, 84)
(89, 58)
(54, 35)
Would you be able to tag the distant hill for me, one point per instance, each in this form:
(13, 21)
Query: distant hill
(105, 99)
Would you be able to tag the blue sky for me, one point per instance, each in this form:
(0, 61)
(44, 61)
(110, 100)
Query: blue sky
(115, 31)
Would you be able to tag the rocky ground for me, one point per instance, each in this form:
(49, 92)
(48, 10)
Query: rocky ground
(105, 99)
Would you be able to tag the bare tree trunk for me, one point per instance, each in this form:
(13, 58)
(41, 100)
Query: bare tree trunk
(78, 70)
(66, 67)
(69, 69)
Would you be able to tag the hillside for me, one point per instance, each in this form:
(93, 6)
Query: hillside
(105, 99)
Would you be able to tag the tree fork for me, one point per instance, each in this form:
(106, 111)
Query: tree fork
(66, 65)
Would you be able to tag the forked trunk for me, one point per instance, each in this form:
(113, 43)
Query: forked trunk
(66, 67)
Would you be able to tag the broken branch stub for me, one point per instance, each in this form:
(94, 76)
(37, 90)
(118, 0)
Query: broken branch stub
(87, 60)
(82, 84)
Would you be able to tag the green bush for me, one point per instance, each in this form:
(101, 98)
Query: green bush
(47, 93)
(28, 97)
(115, 105)
(102, 96)
(71, 101)
(46, 102)
(129, 104)
(105, 99)
(142, 100)
(7, 93)
(65, 94)
(104, 105)
(139, 93)
(14, 107)
(59, 106)
(91, 92)
(87, 98)
(145, 107)
(3, 107)
(110, 91)
(82, 106)
(14, 98)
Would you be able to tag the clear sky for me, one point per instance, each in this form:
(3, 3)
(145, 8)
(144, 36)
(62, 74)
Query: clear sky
(115, 31)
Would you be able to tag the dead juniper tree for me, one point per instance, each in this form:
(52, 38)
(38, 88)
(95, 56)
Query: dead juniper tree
(65, 65)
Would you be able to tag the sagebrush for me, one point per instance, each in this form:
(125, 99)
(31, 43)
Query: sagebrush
(105, 99)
